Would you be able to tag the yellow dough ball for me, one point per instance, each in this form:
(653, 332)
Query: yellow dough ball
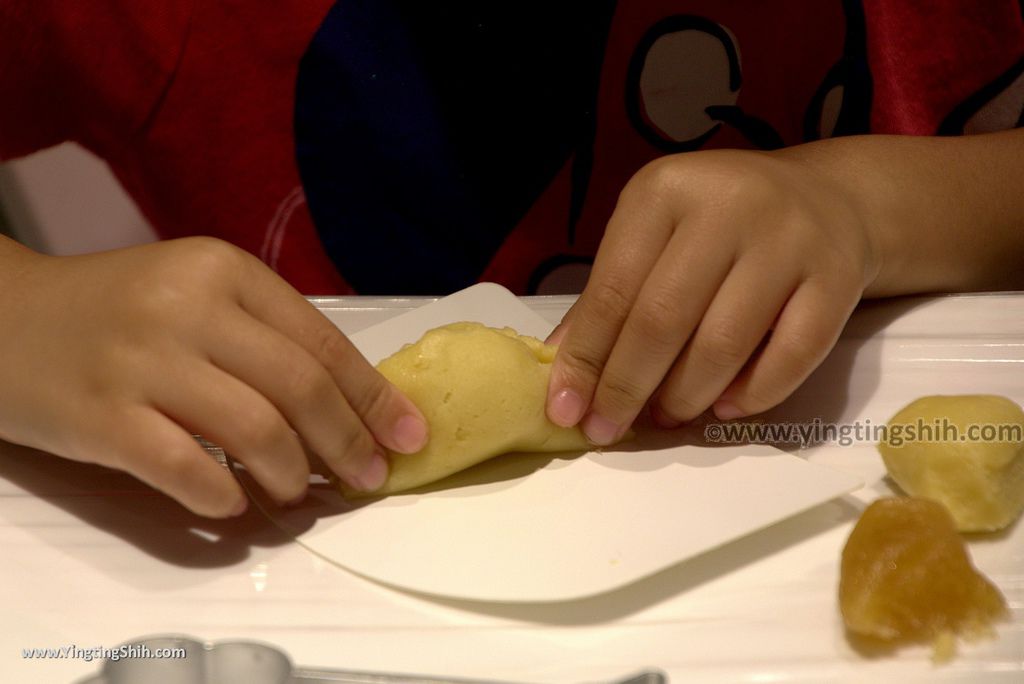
(483, 392)
(964, 452)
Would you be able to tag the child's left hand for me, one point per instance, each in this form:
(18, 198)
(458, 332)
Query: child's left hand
(723, 279)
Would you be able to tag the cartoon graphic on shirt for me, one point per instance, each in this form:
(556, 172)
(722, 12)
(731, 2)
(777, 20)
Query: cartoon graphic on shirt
(997, 106)
(406, 147)
(491, 142)
(684, 82)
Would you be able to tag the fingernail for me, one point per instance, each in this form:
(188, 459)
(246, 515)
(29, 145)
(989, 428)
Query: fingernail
(374, 474)
(599, 430)
(565, 408)
(297, 500)
(410, 434)
(725, 410)
(242, 507)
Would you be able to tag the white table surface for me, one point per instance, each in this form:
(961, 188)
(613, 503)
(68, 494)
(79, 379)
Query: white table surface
(92, 558)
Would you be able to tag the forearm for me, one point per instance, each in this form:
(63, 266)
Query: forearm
(14, 257)
(943, 214)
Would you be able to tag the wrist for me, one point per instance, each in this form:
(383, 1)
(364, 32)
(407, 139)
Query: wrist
(941, 214)
(14, 259)
(833, 183)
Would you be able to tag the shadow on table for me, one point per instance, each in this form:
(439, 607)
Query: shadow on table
(121, 505)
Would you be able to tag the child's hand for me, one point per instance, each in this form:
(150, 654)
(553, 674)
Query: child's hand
(115, 358)
(724, 278)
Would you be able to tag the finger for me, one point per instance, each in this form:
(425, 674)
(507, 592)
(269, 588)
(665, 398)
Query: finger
(806, 331)
(304, 392)
(208, 401)
(670, 305)
(620, 268)
(392, 418)
(734, 325)
(163, 455)
(558, 334)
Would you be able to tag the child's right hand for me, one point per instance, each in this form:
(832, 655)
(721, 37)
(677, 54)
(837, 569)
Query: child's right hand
(117, 358)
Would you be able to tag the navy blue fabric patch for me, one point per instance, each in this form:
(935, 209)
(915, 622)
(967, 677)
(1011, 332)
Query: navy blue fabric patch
(425, 131)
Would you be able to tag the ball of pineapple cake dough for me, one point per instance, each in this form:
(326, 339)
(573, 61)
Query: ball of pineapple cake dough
(483, 392)
(980, 478)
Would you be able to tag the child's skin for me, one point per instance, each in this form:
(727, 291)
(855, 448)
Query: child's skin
(707, 252)
(116, 358)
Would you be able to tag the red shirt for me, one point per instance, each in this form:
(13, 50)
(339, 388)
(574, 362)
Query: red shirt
(198, 108)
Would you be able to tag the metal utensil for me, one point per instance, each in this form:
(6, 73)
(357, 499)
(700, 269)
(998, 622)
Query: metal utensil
(182, 659)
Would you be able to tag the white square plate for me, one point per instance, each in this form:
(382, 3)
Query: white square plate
(531, 528)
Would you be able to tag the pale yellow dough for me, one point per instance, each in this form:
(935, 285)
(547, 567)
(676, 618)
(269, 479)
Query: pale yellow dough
(483, 393)
(980, 482)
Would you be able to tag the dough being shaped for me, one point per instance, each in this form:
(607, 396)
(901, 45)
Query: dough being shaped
(483, 392)
(980, 480)
(906, 576)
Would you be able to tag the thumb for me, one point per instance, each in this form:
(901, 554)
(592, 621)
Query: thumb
(572, 382)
